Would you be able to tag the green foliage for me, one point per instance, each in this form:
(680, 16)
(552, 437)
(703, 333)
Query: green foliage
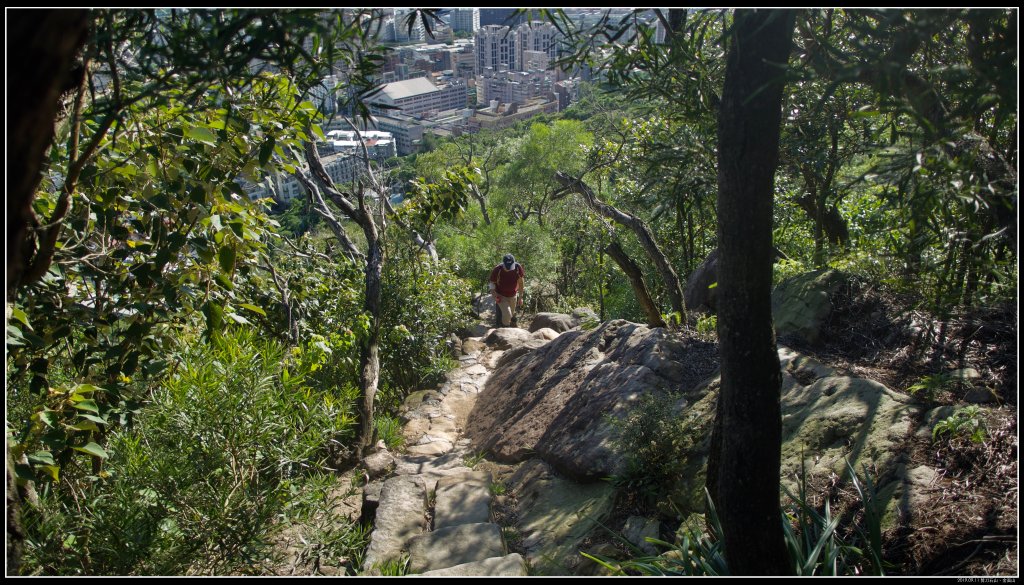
(931, 385)
(870, 529)
(389, 430)
(965, 423)
(196, 482)
(655, 441)
(707, 325)
(391, 568)
(69, 421)
(422, 305)
(696, 552)
(159, 235)
(297, 218)
(444, 200)
(814, 546)
(529, 180)
(811, 537)
(481, 250)
(315, 514)
(784, 269)
(472, 460)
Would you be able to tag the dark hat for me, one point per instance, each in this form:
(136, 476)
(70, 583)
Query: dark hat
(509, 260)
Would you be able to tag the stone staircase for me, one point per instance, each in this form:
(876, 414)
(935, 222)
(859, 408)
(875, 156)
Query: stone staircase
(431, 508)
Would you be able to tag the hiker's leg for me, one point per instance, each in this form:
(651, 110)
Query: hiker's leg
(505, 304)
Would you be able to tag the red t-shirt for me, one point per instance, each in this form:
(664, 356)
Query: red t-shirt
(506, 282)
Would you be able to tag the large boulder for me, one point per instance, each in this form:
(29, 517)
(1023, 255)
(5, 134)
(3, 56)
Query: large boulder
(556, 402)
(559, 322)
(802, 304)
(555, 516)
(700, 295)
(828, 421)
(507, 338)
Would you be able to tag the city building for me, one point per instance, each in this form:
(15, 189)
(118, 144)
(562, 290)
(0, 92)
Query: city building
(419, 96)
(499, 115)
(500, 16)
(379, 145)
(495, 48)
(403, 34)
(342, 157)
(536, 36)
(324, 95)
(465, 19)
(513, 86)
(407, 131)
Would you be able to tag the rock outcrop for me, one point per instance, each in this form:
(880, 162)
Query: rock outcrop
(801, 304)
(555, 402)
(544, 406)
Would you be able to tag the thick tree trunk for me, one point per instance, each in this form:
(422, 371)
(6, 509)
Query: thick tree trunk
(643, 233)
(747, 490)
(52, 38)
(636, 280)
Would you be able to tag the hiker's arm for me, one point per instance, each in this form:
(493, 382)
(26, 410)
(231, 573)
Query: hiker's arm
(521, 285)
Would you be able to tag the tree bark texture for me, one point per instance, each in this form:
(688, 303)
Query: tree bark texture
(369, 377)
(358, 212)
(48, 41)
(643, 233)
(636, 280)
(747, 491)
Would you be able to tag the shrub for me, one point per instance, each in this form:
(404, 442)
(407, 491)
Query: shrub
(655, 441)
(194, 485)
(422, 304)
(707, 325)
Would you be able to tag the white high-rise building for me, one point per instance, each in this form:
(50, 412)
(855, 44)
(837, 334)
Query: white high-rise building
(496, 48)
(536, 36)
(465, 19)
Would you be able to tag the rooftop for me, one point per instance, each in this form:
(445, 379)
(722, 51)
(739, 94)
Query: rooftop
(402, 89)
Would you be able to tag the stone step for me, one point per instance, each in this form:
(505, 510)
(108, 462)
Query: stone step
(462, 499)
(455, 545)
(401, 515)
(431, 468)
(432, 445)
(511, 565)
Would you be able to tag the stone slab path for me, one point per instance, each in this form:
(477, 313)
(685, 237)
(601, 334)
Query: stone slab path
(432, 509)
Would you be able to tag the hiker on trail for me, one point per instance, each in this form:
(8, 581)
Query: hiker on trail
(506, 283)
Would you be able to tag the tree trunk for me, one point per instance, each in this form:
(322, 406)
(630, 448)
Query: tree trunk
(747, 490)
(358, 212)
(482, 200)
(636, 280)
(51, 38)
(369, 377)
(643, 233)
(15, 534)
